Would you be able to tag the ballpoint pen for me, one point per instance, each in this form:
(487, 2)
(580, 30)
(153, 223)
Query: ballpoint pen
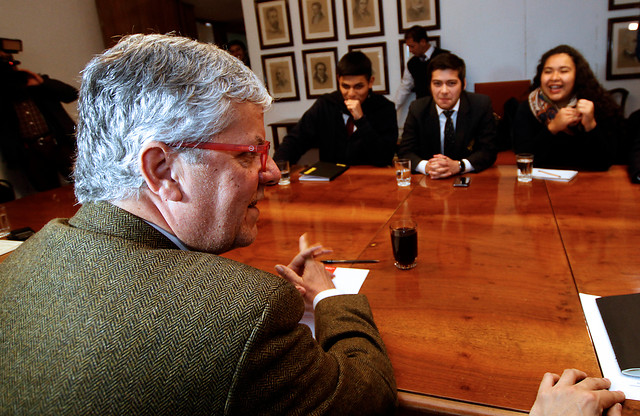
(348, 261)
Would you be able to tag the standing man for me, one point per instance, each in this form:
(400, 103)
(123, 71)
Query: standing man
(414, 78)
(353, 125)
(453, 131)
(36, 133)
(127, 308)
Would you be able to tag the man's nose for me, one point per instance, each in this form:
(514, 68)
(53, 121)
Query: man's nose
(271, 175)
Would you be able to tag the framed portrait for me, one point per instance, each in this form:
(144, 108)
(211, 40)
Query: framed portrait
(377, 54)
(405, 55)
(274, 24)
(623, 4)
(318, 19)
(622, 61)
(363, 18)
(280, 76)
(418, 12)
(320, 71)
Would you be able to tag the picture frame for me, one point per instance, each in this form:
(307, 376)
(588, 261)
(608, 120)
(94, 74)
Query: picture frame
(622, 62)
(377, 54)
(623, 4)
(274, 23)
(317, 82)
(363, 18)
(424, 13)
(405, 55)
(280, 76)
(317, 19)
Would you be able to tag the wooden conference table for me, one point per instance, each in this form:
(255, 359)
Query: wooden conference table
(493, 302)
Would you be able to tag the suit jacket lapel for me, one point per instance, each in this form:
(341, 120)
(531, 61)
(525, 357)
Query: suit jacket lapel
(462, 121)
(433, 128)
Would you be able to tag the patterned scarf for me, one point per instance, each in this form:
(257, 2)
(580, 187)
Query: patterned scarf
(545, 110)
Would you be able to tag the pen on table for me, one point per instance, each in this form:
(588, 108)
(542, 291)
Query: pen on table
(549, 173)
(348, 261)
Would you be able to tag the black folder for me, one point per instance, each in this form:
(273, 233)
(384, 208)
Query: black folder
(323, 171)
(621, 317)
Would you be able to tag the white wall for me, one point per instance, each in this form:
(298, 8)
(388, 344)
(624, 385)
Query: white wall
(500, 40)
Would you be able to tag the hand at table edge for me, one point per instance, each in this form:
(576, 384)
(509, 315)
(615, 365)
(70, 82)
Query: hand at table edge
(574, 393)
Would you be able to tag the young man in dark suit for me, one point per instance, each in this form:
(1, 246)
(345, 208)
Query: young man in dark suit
(453, 131)
(352, 125)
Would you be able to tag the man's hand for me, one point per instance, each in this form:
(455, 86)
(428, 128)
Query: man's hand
(576, 394)
(308, 275)
(354, 108)
(441, 166)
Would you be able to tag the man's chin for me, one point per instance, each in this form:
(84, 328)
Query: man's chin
(246, 237)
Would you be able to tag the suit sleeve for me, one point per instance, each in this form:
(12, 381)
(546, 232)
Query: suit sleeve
(285, 371)
(410, 142)
(374, 142)
(484, 149)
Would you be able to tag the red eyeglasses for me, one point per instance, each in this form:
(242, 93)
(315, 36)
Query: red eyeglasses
(263, 149)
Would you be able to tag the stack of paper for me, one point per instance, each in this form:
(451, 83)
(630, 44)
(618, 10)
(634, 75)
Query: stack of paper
(554, 174)
(604, 350)
(7, 246)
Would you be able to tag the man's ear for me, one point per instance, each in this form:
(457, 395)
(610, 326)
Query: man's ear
(161, 169)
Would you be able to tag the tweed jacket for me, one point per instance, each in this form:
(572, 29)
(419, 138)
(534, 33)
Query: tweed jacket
(475, 138)
(102, 314)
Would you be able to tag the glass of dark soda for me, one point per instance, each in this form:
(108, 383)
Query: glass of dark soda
(404, 241)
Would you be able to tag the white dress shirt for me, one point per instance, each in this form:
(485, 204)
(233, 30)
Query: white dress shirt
(422, 166)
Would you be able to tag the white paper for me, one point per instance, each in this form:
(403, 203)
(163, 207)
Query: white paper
(607, 358)
(7, 246)
(348, 281)
(554, 174)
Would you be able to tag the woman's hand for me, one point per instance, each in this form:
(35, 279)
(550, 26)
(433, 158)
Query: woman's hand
(587, 112)
(567, 116)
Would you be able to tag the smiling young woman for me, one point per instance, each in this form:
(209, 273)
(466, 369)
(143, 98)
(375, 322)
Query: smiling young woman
(569, 120)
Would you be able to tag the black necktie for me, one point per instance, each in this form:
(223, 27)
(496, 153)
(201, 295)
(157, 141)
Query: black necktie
(449, 133)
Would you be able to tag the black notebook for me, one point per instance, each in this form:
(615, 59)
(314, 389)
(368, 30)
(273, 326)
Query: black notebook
(621, 317)
(323, 171)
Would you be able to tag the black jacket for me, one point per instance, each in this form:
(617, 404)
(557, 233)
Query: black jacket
(475, 132)
(323, 127)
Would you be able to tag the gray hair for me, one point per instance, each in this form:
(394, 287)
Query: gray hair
(160, 88)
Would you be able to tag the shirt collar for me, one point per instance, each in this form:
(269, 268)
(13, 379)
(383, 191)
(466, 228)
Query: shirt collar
(428, 53)
(175, 240)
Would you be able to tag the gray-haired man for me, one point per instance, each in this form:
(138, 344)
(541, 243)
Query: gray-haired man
(126, 307)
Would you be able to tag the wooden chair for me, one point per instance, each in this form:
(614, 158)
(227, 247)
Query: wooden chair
(505, 97)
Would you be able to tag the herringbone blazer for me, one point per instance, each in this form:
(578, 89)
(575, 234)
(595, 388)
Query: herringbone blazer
(102, 314)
